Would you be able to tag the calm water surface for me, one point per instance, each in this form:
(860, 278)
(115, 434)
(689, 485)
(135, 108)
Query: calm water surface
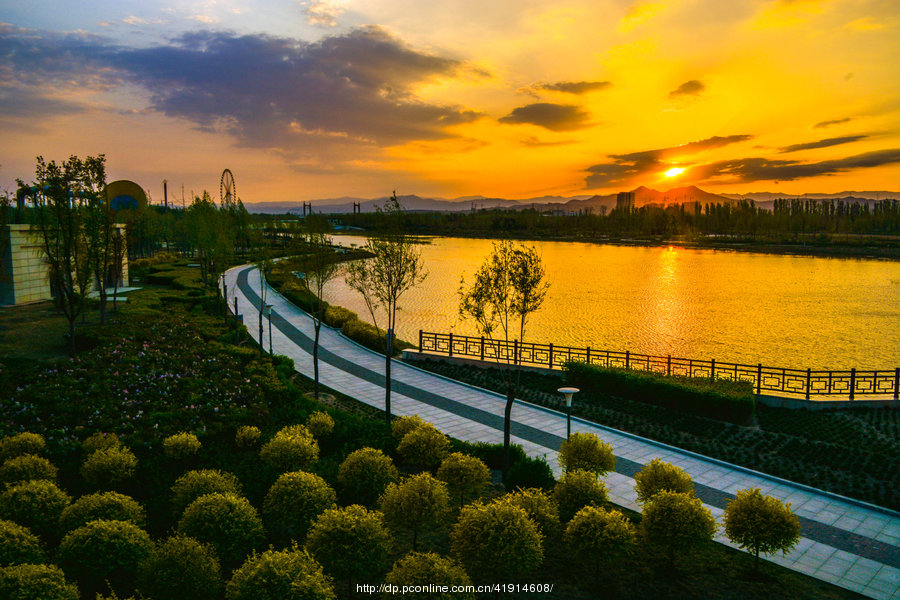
(785, 311)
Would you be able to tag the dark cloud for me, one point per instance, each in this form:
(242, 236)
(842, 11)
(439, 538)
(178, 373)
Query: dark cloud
(573, 87)
(824, 124)
(555, 117)
(824, 143)
(267, 91)
(688, 88)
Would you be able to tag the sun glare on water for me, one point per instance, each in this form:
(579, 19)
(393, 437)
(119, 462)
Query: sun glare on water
(674, 171)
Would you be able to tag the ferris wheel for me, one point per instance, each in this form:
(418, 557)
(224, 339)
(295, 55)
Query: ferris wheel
(227, 188)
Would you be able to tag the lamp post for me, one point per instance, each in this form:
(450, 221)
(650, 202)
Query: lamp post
(269, 315)
(568, 392)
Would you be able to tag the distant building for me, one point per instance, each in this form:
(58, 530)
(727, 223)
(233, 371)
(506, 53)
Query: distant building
(625, 201)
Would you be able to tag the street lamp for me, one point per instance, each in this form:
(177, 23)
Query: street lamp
(568, 392)
(269, 315)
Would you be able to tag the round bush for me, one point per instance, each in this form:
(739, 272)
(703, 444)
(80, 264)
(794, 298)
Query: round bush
(419, 502)
(496, 542)
(586, 451)
(292, 449)
(26, 467)
(246, 436)
(34, 504)
(180, 567)
(104, 552)
(181, 445)
(676, 522)
(107, 468)
(36, 582)
(403, 425)
(463, 474)
(657, 476)
(576, 490)
(424, 447)
(21, 443)
(539, 506)
(350, 543)
(291, 573)
(761, 523)
(109, 506)
(227, 521)
(596, 536)
(18, 545)
(100, 441)
(364, 475)
(424, 569)
(319, 424)
(194, 484)
(294, 501)
(530, 472)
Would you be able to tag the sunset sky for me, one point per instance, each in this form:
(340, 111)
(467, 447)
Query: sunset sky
(518, 99)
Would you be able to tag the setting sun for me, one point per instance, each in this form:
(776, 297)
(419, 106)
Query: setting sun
(674, 171)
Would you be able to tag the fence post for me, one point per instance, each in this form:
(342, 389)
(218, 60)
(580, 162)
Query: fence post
(897, 384)
(420, 340)
(669, 365)
(482, 347)
(852, 381)
(758, 378)
(515, 352)
(712, 369)
(627, 359)
(450, 345)
(808, 376)
(588, 359)
(551, 355)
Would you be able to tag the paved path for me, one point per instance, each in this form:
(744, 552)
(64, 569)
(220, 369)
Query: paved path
(848, 543)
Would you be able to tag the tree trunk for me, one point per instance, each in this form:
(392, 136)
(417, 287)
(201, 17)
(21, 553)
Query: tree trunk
(261, 350)
(72, 336)
(387, 385)
(507, 427)
(317, 325)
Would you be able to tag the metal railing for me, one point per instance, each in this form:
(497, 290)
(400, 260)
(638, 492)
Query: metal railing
(801, 382)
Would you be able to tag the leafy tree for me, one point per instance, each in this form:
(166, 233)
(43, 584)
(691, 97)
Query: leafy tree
(403, 425)
(25, 468)
(210, 233)
(34, 504)
(418, 502)
(180, 567)
(21, 443)
(319, 424)
(110, 506)
(181, 445)
(463, 474)
(194, 484)
(761, 523)
(657, 476)
(576, 490)
(246, 436)
(272, 575)
(98, 224)
(424, 447)
(395, 268)
(509, 286)
(496, 542)
(676, 522)
(18, 545)
(228, 522)
(294, 501)
(596, 536)
(119, 249)
(351, 543)
(364, 475)
(424, 569)
(292, 448)
(100, 441)
(541, 508)
(36, 582)
(588, 452)
(108, 468)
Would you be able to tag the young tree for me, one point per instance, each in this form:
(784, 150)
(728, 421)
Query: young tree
(421, 570)
(577, 489)
(463, 474)
(98, 223)
(364, 475)
(290, 573)
(761, 523)
(586, 451)
(676, 522)
(508, 287)
(657, 476)
(424, 447)
(395, 268)
(596, 536)
(417, 502)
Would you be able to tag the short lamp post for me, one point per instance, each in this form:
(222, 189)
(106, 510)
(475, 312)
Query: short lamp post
(269, 316)
(568, 392)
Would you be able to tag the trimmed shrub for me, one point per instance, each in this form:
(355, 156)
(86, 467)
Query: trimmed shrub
(761, 523)
(181, 445)
(194, 484)
(364, 475)
(293, 448)
(272, 575)
(424, 569)
(21, 443)
(496, 542)
(227, 521)
(293, 503)
(27, 467)
(418, 502)
(403, 425)
(109, 506)
(350, 543)
(576, 490)
(34, 504)
(596, 536)
(100, 441)
(107, 468)
(424, 447)
(587, 452)
(541, 509)
(530, 472)
(319, 423)
(36, 582)
(180, 567)
(18, 545)
(676, 522)
(463, 474)
(246, 436)
(104, 552)
(657, 476)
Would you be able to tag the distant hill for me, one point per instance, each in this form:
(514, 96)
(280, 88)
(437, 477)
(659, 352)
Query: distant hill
(859, 196)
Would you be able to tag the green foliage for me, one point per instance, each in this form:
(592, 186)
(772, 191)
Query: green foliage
(194, 484)
(246, 436)
(463, 474)
(540, 507)
(678, 522)
(294, 501)
(34, 504)
(761, 523)
(104, 552)
(26, 467)
(364, 475)
(403, 425)
(319, 424)
(576, 490)
(529, 472)
(100, 441)
(587, 452)
(657, 476)
(424, 447)
(18, 545)
(596, 536)
(496, 542)
(180, 567)
(181, 445)
(718, 399)
(227, 521)
(418, 502)
(21, 443)
(273, 575)
(107, 468)
(418, 569)
(36, 582)
(350, 543)
(291, 449)
(110, 506)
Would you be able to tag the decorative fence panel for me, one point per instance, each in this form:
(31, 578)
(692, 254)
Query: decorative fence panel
(798, 382)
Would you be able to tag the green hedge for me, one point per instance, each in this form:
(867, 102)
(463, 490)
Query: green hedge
(717, 399)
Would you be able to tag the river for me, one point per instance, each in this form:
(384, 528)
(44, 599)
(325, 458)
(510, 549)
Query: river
(778, 310)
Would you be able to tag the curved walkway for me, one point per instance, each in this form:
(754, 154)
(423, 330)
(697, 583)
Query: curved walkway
(844, 542)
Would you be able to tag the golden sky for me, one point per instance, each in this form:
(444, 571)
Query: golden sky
(517, 99)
